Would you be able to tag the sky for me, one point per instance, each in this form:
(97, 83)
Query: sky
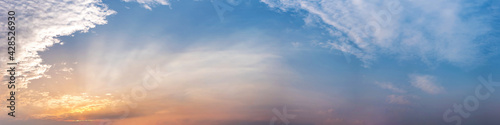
(255, 62)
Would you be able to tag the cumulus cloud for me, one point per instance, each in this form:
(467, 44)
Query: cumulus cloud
(149, 3)
(38, 25)
(425, 83)
(432, 31)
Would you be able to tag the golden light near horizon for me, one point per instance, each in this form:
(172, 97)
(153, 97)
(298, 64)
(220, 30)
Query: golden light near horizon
(67, 107)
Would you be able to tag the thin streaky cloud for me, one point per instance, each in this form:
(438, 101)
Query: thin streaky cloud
(426, 83)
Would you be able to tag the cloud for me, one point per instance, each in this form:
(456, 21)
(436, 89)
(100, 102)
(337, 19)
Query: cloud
(66, 69)
(149, 3)
(432, 31)
(397, 99)
(50, 106)
(38, 24)
(389, 86)
(425, 83)
(295, 44)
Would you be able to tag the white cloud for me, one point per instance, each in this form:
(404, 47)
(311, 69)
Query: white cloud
(426, 83)
(398, 99)
(66, 69)
(389, 86)
(149, 3)
(432, 31)
(68, 107)
(38, 24)
(211, 71)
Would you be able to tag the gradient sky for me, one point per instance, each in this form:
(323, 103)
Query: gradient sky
(237, 62)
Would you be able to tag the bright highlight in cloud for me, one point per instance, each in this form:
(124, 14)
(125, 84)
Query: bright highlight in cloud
(149, 3)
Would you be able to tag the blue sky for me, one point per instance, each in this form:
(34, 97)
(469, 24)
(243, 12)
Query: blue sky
(359, 62)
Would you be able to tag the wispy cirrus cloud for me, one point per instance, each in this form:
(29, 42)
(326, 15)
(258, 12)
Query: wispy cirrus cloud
(198, 79)
(150, 3)
(398, 99)
(432, 31)
(426, 83)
